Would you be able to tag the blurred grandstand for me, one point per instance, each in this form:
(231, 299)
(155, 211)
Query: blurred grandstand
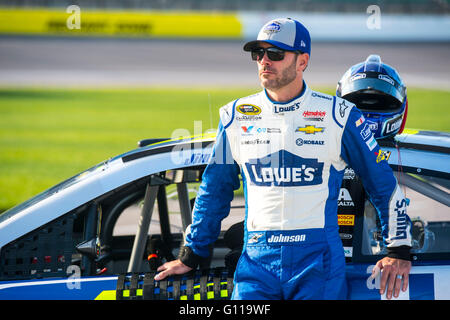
(341, 6)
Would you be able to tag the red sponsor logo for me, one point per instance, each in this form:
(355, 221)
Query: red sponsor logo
(314, 115)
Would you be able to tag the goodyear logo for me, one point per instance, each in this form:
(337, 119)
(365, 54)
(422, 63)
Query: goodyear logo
(346, 219)
(248, 109)
(310, 129)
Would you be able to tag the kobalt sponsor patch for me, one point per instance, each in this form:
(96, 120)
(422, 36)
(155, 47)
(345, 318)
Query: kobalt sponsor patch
(300, 142)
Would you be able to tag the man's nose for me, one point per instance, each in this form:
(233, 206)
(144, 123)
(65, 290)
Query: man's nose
(265, 59)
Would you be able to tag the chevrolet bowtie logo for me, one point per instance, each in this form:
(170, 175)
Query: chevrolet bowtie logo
(310, 129)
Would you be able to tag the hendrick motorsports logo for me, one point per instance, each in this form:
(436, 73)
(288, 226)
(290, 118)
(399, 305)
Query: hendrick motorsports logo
(284, 169)
(314, 115)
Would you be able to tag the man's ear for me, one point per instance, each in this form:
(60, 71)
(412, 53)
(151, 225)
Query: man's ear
(302, 62)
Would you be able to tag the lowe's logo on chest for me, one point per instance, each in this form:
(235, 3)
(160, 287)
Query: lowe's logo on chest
(283, 109)
(284, 169)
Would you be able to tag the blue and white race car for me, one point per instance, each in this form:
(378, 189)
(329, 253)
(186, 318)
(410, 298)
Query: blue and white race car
(97, 234)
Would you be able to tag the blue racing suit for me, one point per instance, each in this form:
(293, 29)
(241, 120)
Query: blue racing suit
(292, 157)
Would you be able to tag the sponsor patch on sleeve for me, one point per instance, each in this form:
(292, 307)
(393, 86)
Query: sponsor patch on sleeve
(371, 143)
(359, 121)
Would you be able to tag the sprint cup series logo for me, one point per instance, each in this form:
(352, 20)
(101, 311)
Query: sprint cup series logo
(284, 169)
(274, 27)
(248, 109)
(247, 112)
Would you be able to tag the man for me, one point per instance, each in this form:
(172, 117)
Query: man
(291, 146)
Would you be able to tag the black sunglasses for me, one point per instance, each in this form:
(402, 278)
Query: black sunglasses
(273, 54)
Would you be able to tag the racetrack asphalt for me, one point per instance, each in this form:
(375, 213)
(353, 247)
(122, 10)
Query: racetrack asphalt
(112, 62)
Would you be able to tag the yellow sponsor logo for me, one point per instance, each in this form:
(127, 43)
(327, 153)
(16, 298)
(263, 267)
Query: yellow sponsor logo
(248, 109)
(382, 155)
(309, 129)
(346, 219)
(120, 23)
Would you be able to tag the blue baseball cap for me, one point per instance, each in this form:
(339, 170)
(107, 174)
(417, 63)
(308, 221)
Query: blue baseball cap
(284, 33)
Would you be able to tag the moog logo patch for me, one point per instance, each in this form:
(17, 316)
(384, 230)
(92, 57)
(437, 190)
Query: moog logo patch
(284, 169)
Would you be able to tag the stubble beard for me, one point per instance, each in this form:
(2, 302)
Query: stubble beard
(288, 75)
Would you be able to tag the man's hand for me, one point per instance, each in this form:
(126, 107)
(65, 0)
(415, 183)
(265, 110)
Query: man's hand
(171, 268)
(394, 271)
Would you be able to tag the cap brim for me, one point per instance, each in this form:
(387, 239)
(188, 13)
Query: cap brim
(249, 46)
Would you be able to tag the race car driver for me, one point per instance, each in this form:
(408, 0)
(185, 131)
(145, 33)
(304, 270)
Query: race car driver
(291, 145)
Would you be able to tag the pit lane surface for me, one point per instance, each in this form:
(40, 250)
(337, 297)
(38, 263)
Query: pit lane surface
(89, 62)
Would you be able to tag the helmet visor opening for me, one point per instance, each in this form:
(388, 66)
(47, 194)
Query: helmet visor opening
(373, 100)
(371, 83)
